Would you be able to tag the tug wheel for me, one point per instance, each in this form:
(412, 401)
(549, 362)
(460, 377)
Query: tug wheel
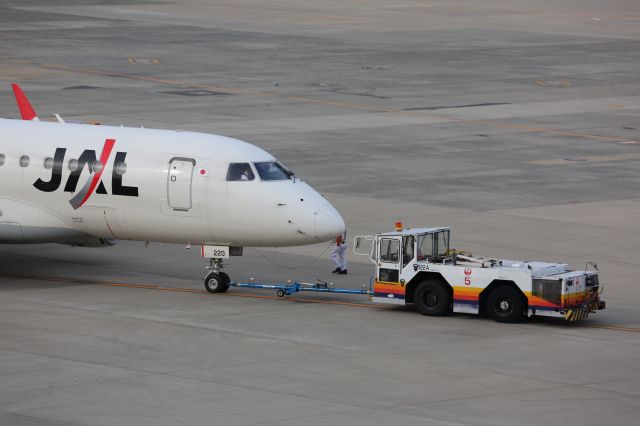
(216, 282)
(432, 298)
(280, 293)
(506, 304)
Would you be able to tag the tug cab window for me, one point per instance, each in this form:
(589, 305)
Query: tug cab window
(408, 243)
(272, 170)
(442, 243)
(432, 246)
(240, 172)
(425, 247)
(389, 250)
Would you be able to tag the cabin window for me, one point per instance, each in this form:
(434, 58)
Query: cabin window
(48, 163)
(121, 168)
(24, 161)
(97, 167)
(2, 157)
(73, 165)
(240, 172)
(272, 170)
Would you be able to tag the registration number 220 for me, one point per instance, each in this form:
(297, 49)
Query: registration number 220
(220, 252)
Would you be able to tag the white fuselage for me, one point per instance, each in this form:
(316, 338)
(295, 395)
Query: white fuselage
(152, 185)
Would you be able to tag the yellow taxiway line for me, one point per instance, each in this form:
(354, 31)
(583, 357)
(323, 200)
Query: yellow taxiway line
(612, 327)
(191, 290)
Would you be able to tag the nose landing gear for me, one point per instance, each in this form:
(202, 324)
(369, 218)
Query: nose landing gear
(216, 281)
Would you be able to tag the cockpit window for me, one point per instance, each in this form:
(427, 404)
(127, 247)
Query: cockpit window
(239, 172)
(272, 170)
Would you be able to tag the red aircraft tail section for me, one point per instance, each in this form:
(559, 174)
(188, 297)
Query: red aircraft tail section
(26, 110)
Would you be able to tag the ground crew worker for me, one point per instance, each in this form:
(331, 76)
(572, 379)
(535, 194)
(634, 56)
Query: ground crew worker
(339, 254)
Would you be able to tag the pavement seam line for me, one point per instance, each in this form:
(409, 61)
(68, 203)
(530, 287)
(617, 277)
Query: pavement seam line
(289, 299)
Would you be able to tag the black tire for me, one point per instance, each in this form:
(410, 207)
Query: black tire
(225, 278)
(280, 293)
(506, 304)
(216, 282)
(432, 298)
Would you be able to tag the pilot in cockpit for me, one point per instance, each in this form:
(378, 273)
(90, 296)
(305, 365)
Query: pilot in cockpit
(240, 172)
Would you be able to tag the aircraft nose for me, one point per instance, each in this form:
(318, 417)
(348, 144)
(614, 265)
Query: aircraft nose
(328, 222)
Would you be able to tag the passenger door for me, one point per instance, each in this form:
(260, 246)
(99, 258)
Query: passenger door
(179, 183)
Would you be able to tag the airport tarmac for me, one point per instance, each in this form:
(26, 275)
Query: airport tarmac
(515, 122)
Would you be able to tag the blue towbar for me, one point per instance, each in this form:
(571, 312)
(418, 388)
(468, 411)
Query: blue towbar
(297, 286)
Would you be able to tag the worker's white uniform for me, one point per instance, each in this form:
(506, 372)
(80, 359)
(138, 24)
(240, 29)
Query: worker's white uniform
(339, 256)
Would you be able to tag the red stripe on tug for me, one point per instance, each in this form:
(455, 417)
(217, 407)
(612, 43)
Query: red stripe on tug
(26, 110)
(106, 152)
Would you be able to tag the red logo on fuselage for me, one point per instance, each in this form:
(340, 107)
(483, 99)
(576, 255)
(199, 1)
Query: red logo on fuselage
(94, 182)
(81, 197)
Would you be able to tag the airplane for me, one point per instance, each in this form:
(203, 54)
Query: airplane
(94, 185)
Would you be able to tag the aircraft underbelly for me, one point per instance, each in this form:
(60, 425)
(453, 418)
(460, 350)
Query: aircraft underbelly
(42, 234)
(11, 232)
(23, 222)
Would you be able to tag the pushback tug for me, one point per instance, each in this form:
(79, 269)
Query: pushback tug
(417, 266)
